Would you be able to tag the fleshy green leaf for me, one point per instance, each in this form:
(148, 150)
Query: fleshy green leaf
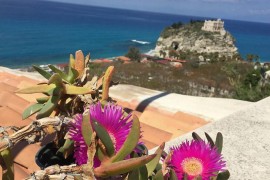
(70, 89)
(42, 100)
(151, 166)
(48, 108)
(106, 83)
(159, 175)
(71, 61)
(87, 129)
(72, 75)
(7, 167)
(56, 79)
(139, 174)
(42, 72)
(210, 140)
(41, 88)
(173, 175)
(104, 137)
(58, 71)
(122, 167)
(223, 175)
(219, 142)
(101, 156)
(196, 136)
(67, 148)
(31, 110)
(131, 141)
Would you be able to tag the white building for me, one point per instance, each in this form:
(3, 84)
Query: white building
(214, 26)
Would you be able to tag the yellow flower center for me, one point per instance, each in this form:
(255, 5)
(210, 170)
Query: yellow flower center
(192, 166)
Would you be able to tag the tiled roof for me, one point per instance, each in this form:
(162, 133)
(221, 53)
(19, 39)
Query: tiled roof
(157, 125)
(11, 107)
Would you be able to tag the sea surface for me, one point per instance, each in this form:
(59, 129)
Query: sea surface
(42, 32)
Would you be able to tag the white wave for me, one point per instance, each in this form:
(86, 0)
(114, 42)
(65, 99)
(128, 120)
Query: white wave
(140, 42)
(152, 52)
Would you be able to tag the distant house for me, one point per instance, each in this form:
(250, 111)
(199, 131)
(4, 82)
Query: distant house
(62, 66)
(102, 61)
(175, 60)
(123, 59)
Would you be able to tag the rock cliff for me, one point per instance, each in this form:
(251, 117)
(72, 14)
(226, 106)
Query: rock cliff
(180, 38)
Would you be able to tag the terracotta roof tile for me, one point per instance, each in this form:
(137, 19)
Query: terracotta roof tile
(153, 135)
(20, 172)
(9, 117)
(26, 156)
(14, 102)
(6, 87)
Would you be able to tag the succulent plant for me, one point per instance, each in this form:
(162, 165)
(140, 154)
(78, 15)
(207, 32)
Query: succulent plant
(104, 139)
(195, 159)
(63, 88)
(116, 140)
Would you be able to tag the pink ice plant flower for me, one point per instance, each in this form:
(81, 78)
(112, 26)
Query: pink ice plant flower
(196, 158)
(111, 118)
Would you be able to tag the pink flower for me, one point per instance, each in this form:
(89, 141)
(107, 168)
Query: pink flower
(111, 118)
(196, 158)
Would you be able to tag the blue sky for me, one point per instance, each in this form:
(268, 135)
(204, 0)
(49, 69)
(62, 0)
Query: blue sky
(249, 10)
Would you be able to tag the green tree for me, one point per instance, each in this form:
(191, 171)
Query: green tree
(250, 57)
(134, 54)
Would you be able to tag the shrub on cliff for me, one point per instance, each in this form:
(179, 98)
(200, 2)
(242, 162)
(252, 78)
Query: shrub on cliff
(134, 54)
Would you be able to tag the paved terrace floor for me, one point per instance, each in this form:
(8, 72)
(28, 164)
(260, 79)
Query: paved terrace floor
(163, 116)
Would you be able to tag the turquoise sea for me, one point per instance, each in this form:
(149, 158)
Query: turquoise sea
(42, 32)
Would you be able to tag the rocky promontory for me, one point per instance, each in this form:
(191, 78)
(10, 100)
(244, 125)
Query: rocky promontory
(205, 39)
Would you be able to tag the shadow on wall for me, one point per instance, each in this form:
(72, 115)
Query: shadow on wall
(142, 106)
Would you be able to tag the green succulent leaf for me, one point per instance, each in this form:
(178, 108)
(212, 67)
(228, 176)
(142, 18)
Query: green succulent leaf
(196, 136)
(48, 108)
(72, 75)
(31, 110)
(87, 129)
(159, 175)
(42, 100)
(70, 89)
(173, 175)
(104, 137)
(223, 175)
(42, 72)
(219, 142)
(122, 167)
(67, 148)
(151, 166)
(209, 139)
(56, 79)
(71, 61)
(58, 71)
(40, 88)
(101, 156)
(131, 141)
(139, 174)
(7, 166)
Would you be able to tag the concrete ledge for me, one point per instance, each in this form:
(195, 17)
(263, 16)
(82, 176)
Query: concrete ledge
(207, 108)
(246, 140)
